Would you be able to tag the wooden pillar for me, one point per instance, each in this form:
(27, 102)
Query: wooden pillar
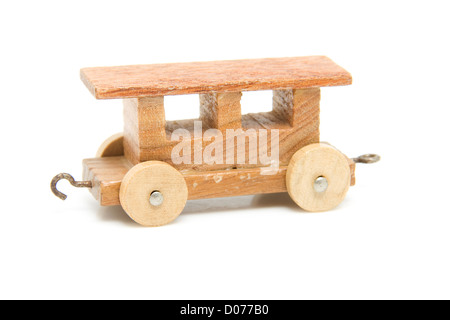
(297, 105)
(145, 126)
(221, 110)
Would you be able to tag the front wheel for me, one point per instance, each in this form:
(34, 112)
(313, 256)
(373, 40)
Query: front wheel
(318, 177)
(153, 193)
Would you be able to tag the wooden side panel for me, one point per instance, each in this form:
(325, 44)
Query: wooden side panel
(295, 116)
(107, 175)
(221, 110)
(290, 139)
(237, 182)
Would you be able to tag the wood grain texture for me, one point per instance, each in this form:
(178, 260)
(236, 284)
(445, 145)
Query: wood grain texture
(111, 147)
(296, 106)
(352, 166)
(314, 161)
(107, 175)
(234, 182)
(144, 179)
(221, 110)
(145, 126)
(215, 76)
(296, 116)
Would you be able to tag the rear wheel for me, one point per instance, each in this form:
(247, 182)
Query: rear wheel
(112, 147)
(153, 193)
(318, 177)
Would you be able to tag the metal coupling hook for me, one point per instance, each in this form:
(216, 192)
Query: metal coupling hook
(367, 158)
(68, 177)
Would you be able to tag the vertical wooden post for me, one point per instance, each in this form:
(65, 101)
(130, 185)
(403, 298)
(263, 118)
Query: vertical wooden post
(221, 110)
(297, 105)
(145, 126)
(301, 109)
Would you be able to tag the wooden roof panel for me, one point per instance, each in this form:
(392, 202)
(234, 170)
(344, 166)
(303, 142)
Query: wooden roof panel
(215, 76)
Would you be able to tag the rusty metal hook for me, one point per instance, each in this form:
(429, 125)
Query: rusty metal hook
(367, 158)
(68, 177)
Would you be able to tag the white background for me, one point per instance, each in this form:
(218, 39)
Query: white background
(390, 237)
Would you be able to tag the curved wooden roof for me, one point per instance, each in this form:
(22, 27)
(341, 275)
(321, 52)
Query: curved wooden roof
(216, 76)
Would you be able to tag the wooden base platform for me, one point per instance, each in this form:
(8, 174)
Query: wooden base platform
(106, 175)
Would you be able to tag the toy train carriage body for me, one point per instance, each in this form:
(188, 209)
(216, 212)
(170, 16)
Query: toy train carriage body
(147, 135)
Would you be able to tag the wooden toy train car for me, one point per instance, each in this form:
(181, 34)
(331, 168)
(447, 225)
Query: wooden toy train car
(137, 169)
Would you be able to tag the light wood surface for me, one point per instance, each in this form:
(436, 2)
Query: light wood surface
(352, 166)
(235, 182)
(111, 147)
(296, 116)
(144, 179)
(221, 110)
(107, 175)
(308, 164)
(215, 76)
(298, 107)
(145, 127)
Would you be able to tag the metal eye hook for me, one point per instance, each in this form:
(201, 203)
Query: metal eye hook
(367, 158)
(68, 177)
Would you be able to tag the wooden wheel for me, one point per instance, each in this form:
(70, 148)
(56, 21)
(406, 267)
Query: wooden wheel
(318, 177)
(112, 147)
(153, 193)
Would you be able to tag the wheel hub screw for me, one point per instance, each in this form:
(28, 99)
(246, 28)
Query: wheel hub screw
(156, 198)
(321, 184)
